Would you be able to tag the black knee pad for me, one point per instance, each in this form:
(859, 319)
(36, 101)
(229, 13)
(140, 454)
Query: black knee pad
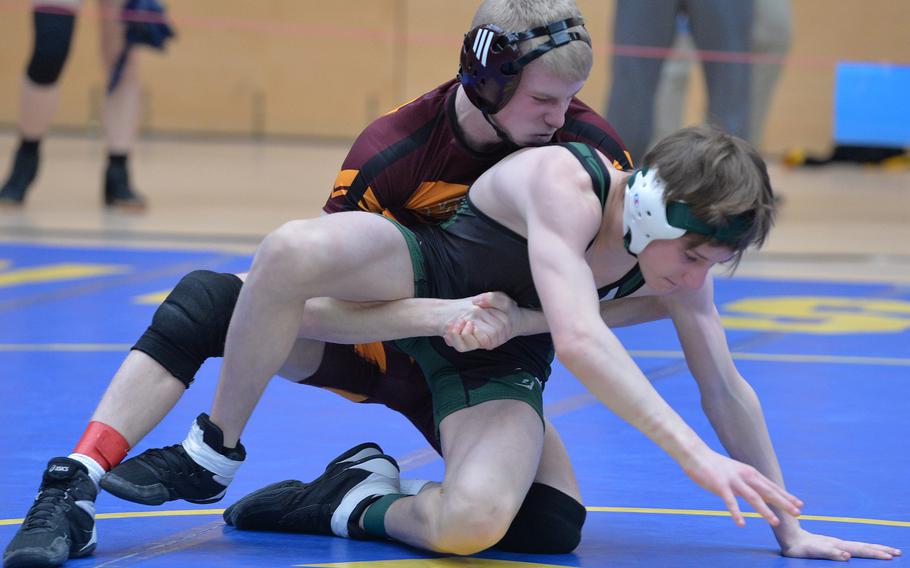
(549, 522)
(191, 324)
(53, 35)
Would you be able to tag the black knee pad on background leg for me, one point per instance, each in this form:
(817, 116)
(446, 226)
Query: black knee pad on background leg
(549, 522)
(53, 36)
(191, 324)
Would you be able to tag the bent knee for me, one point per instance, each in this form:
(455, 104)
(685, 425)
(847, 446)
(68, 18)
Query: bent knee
(549, 522)
(472, 525)
(285, 249)
(284, 240)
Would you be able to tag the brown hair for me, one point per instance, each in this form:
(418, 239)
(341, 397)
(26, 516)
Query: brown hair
(572, 61)
(722, 179)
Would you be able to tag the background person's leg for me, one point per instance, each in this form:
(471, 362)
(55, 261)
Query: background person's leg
(771, 32)
(38, 92)
(673, 87)
(647, 23)
(719, 25)
(120, 114)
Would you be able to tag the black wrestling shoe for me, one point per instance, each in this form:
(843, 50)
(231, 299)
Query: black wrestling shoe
(24, 170)
(264, 509)
(61, 522)
(159, 475)
(118, 193)
(333, 504)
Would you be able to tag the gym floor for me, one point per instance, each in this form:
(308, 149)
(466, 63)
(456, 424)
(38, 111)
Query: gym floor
(819, 324)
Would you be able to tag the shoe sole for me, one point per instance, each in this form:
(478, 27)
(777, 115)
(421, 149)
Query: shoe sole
(34, 557)
(156, 494)
(41, 557)
(85, 551)
(11, 205)
(126, 207)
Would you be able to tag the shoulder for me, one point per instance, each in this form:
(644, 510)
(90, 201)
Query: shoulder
(559, 184)
(545, 165)
(583, 124)
(407, 124)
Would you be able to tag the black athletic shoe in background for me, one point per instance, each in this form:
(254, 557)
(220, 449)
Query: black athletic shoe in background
(61, 521)
(22, 174)
(165, 474)
(118, 193)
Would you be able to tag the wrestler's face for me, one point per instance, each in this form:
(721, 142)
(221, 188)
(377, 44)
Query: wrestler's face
(538, 107)
(668, 265)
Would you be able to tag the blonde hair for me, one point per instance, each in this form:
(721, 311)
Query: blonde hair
(722, 179)
(571, 62)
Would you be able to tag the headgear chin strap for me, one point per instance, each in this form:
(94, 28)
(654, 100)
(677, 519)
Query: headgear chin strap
(646, 216)
(491, 61)
(510, 145)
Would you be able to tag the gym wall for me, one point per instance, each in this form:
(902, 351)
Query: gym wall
(305, 68)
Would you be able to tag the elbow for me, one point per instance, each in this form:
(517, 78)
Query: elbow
(573, 347)
(734, 393)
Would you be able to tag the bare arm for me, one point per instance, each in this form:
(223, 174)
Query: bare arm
(494, 319)
(727, 399)
(466, 332)
(614, 313)
(561, 218)
(587, 347)
(339, 321)
(735, 412)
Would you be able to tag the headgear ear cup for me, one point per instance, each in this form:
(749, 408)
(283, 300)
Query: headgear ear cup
(491, 61)
(485, 52)
(644, 216)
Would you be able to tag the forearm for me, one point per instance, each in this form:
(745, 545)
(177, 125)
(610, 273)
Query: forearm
(614, 313)
(338, 321)
(737, 417)
(612, 376)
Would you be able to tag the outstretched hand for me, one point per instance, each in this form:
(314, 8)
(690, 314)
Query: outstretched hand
(486, 323)
(730, 479)
(810, 545)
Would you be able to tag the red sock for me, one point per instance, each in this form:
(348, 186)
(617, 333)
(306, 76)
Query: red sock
(103, 444)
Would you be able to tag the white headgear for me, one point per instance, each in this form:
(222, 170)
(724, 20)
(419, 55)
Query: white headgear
(644, 214)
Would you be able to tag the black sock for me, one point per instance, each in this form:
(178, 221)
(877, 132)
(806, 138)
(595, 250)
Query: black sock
(117, 160)
(29, 146)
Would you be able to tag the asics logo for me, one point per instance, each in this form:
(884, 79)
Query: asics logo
(529, 383)
(63, 468)
(482, 45)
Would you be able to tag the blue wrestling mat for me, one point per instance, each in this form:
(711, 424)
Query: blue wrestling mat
(830, 362)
